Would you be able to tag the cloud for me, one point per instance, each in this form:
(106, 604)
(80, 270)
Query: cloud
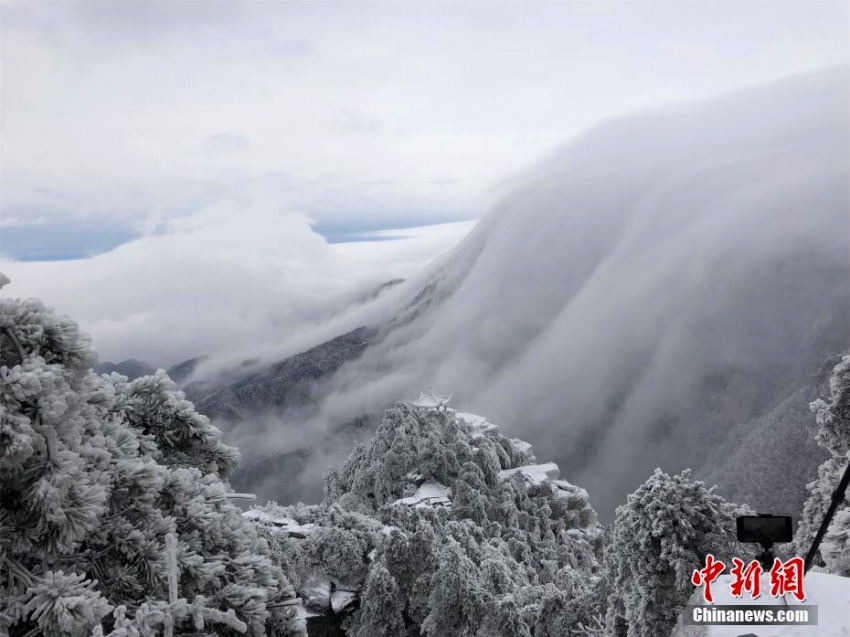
(227, 143)
(659, 280)
(404, 252)
(237, 280)
(445, 100)
(357, 122)
(233, 276)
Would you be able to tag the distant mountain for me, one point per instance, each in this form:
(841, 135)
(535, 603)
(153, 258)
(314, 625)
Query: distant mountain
(285, 385)
(181, 372)
(131, 368)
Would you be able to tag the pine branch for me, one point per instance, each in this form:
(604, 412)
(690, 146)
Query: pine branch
(171, 556)
(19, 571)
(595, 629)
(289, 602)
(49, 434)
(8, 331)
(120, 513)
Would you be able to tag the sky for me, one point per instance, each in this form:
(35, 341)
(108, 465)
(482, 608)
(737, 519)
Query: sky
(142, 137)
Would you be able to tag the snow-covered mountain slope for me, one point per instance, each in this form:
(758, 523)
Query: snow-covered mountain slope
(280, 386)
(830, 593)
(661, 280)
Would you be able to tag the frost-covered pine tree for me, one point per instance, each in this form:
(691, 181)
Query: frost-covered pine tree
(660, 536)
(481, 558)
(504, 620)
(381, 607)
(458, 602)
(833, 419)
(114, 510)
(833, 416)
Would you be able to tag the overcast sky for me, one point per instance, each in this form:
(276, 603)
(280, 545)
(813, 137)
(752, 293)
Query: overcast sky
(134, 133)
(363, 116)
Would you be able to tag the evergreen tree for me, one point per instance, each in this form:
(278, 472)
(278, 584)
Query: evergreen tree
(380, 612)
(833, 416)
(515, 529)
(504, 620)
(660, 536)
(106, 522)
(458, 603)
(833, 419)
(467, 503)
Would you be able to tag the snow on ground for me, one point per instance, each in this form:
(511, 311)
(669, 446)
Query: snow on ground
(478, 424)
(536, 474)
(341, 600)
(283, 524)
(428, 494)
(302, 614)
(317, 593)
(830, 593)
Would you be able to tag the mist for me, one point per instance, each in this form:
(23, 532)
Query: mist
(659, 280)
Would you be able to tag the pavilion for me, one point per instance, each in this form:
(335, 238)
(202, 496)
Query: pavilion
(430, 401)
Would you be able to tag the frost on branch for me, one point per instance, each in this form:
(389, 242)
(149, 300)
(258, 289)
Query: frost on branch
(660, 536)
(833, 418)
(95, 475)
(444, 526)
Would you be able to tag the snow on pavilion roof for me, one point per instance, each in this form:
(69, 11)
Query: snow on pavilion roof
(431, 399)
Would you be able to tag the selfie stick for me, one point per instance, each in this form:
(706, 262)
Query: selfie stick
(767, 556)
(837, 498)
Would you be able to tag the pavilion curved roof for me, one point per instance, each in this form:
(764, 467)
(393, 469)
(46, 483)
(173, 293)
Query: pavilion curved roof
(429, 399)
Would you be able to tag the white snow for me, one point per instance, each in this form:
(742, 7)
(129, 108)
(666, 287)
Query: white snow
(536, 474)
(478, 424)
(521, 445)
(317, 592)
(257, 516)
(284, 524)
(302, 613)
(428, 494)
(830, 593)
(341, 599)
(577, 496)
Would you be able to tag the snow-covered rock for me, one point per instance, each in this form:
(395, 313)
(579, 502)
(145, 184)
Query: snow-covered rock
(431, 494)
(577, 498)
(342, 601)
(282, 524)
(317, 594)
(535, 474)
(478, 425)
(567, 501)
